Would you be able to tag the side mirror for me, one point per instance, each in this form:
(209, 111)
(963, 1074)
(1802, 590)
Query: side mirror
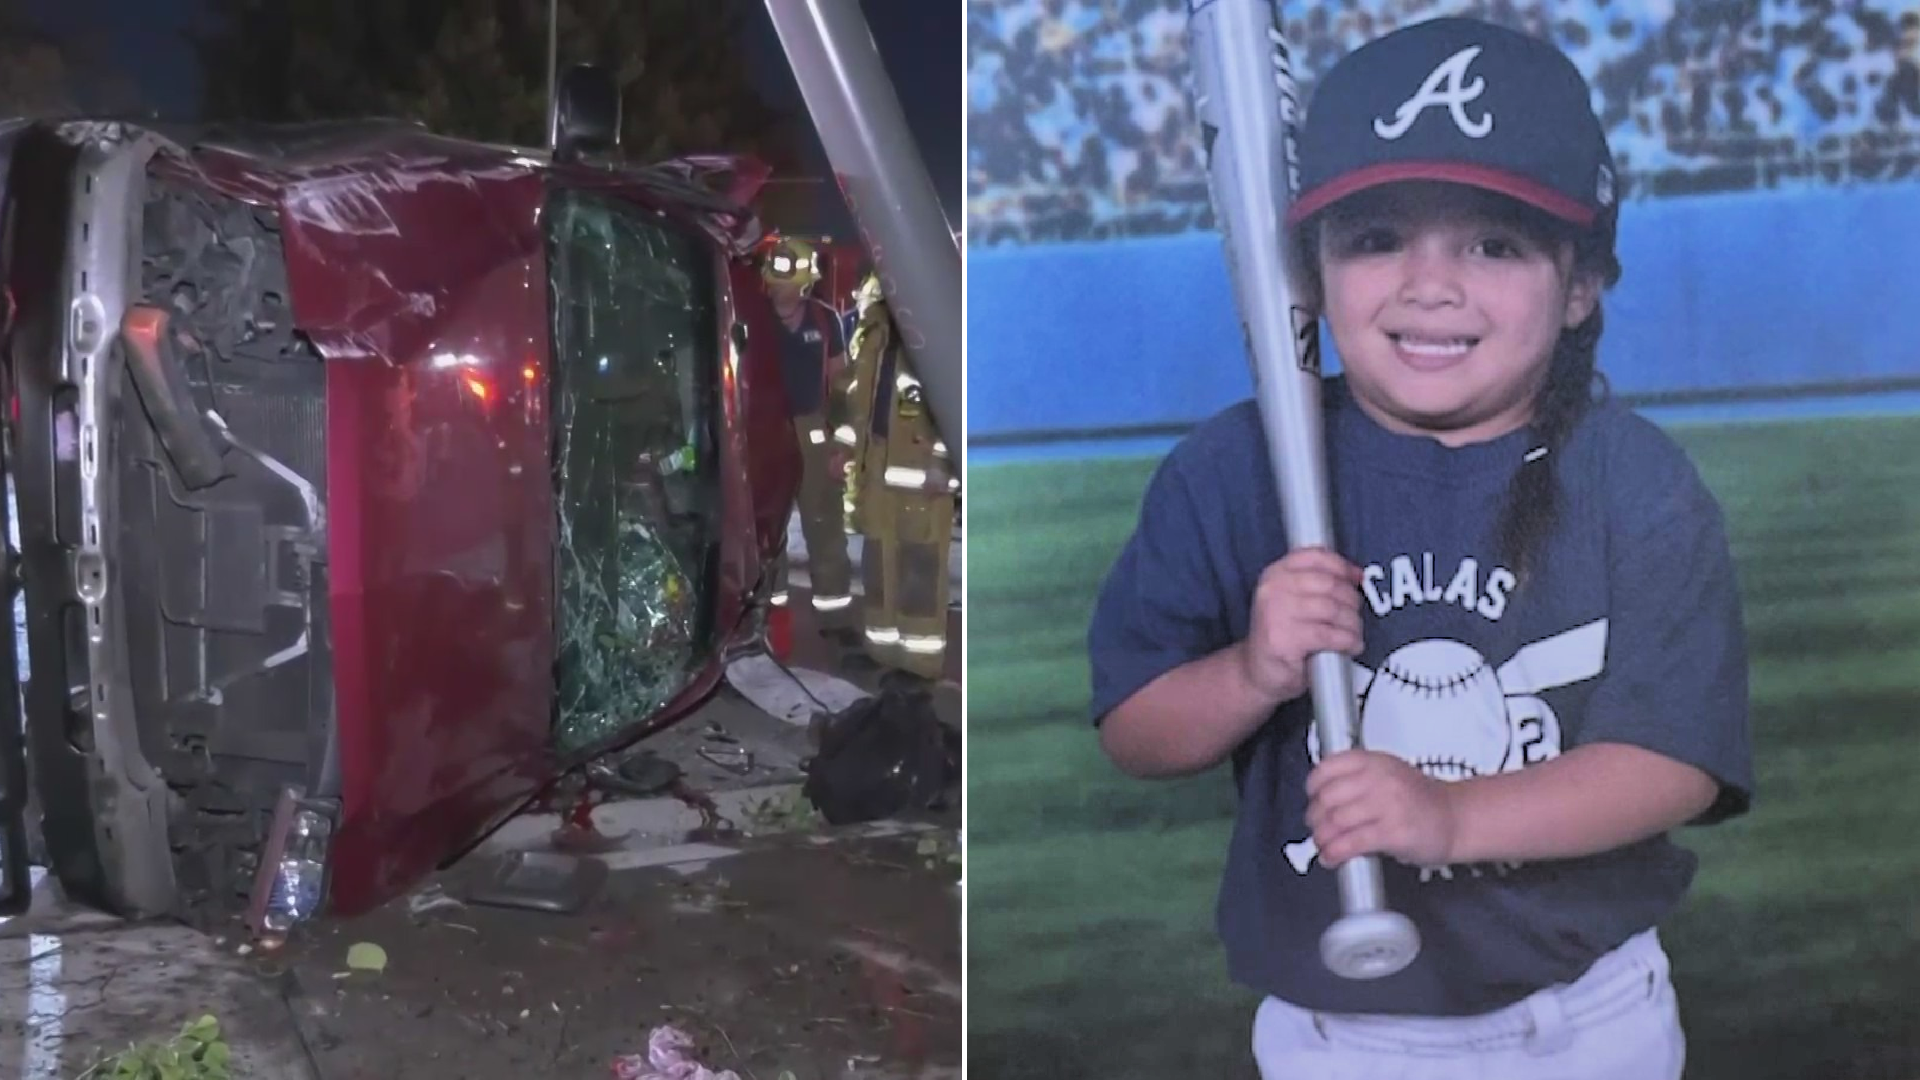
(586, 112)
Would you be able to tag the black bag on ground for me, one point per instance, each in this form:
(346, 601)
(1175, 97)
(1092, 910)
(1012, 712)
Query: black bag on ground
(882, 756)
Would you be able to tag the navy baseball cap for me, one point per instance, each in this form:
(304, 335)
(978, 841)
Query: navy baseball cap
(1461, 101)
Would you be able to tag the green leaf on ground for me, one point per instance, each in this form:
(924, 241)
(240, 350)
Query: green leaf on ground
(366, 956)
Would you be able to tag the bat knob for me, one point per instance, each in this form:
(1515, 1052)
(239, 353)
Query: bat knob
(1369, 945)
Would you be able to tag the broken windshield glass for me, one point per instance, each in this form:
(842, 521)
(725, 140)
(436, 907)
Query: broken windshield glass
(634, 462)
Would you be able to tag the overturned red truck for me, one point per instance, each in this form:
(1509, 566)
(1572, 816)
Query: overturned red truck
(366, 482)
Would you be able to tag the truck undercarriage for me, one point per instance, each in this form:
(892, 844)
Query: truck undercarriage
(171, 485)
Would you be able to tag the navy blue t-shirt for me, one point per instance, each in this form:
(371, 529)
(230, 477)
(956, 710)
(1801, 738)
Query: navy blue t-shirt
(1628, 630)
(803, 356)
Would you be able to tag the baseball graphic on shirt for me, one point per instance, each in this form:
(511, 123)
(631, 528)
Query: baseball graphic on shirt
(1440, 706)
(1437, 705)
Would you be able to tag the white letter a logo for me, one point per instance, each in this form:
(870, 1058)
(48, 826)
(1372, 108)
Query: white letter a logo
(1448, 86)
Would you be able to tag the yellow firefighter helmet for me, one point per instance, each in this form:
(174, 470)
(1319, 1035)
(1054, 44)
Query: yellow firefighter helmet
(792, 261)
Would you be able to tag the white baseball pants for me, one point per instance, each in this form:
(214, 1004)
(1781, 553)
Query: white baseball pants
(1619, 1021)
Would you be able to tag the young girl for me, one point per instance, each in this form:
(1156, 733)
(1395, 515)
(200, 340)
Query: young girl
(1533, 582)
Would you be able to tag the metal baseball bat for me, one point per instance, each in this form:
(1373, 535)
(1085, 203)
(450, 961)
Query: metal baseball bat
(1248, 108)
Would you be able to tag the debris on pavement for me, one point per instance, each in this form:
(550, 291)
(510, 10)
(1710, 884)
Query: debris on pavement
(366, 956)
(713, 823)
(735, 759)
(573, 797)
(795, 695)
(197, 1053)
(669, 1056)
(883, 756)
(430, 899)
(791, 957)
(579, 834)
(786, 810)
(938, 852)
(639, 774)
(550, 881)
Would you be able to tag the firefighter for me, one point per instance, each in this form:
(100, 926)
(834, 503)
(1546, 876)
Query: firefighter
(901, 492)
(811, 355)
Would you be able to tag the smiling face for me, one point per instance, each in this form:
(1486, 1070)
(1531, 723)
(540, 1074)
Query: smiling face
(1445, 304)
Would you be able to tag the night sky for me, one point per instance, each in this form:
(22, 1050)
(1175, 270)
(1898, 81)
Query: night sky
(145, 37)
(920, 45)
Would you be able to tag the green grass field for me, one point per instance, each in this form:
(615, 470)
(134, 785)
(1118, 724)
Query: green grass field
(1797, 957)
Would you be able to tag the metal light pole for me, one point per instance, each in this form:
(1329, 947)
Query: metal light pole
(886, 186)
(553, 73)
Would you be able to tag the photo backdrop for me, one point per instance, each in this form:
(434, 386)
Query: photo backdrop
(1768, 151)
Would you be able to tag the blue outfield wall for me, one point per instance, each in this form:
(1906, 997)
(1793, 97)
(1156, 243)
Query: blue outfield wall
(1719, 292)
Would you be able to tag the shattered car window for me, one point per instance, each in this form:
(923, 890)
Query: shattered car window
(639, 496)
